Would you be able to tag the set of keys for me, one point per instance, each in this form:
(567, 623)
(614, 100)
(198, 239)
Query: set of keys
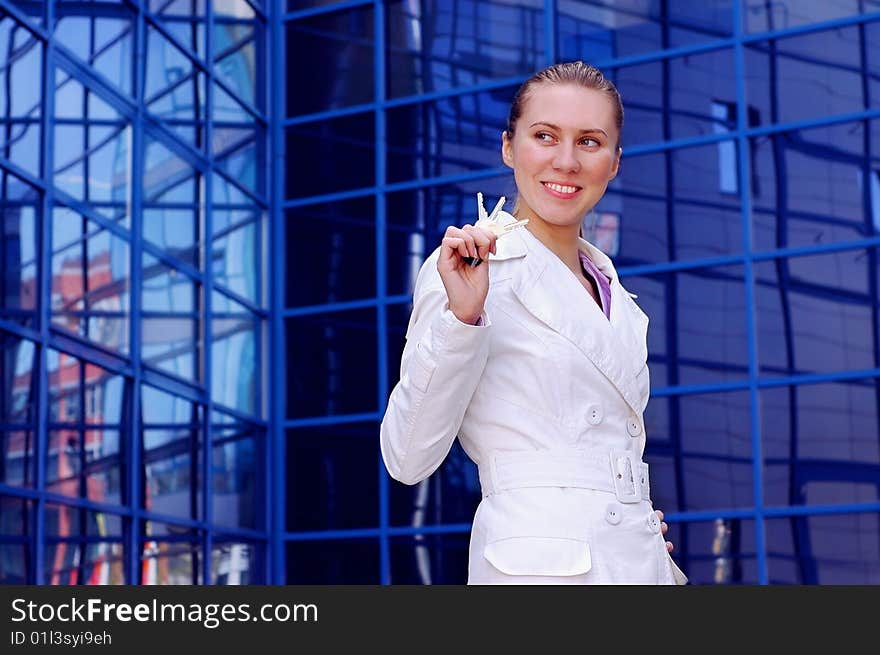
(490, 222)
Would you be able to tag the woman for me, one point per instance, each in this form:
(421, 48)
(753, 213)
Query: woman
(536, 359)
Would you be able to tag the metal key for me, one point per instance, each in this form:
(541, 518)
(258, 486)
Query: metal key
(489, 222)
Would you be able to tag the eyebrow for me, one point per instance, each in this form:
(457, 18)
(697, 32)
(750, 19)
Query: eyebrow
(556, 127)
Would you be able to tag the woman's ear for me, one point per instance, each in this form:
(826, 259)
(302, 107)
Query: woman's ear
(615, 167)
(506, 149)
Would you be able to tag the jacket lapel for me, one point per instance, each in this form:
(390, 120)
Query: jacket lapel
(551, 292)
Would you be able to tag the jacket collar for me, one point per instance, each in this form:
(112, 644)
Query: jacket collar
(549, 290)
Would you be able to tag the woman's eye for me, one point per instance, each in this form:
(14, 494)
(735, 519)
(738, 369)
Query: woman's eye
(543, 136)
(590, 142)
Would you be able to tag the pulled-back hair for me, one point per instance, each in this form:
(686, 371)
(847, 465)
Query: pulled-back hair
(570, 72)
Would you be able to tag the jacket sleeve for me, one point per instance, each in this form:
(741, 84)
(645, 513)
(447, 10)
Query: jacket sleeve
(443, 360)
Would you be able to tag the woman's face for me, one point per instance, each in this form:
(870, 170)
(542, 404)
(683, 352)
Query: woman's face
(563, 152)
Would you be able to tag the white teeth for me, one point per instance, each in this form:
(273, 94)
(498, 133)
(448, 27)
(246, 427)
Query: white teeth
(560, 188)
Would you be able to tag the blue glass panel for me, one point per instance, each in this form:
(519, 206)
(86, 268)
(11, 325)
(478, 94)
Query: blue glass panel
(238, 41)
(105, 42)
(447, 136)
(817, 314)
(672, 206)
(339, 50)
(237, 563)
(174, 90)
(18, 252)
(238, 482)
(788, 81)
(66, 521)
(820, 443)
(331, 155)
(172, 204)
(18, 407)
(14, 563)
(21, 60)
(331, 252)
(170, 555)
(430, 559)
(344, 561)
(837, 549)
(16, 524)
(330, 358)
(673, 99)
(172, 443)
(170, 303)
(235, 358)
(434, 46)
(809, 186)
(786, 14)
(333, 477)
(185, 19)
(697, 332)
(600, 31)
(238, 262)
(699, 450)
(90, 288)
(34, 10)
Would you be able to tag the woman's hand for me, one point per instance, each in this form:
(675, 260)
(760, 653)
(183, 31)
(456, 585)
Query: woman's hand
(663, 529)
(466, 286)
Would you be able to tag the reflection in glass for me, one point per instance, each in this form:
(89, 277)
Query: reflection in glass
(237, 564)
(236, 466)
(237, 258)
(184, 19)
(21, 60)
(170, 303)
(235, 355)
(172, 443)
(18, 255)
(17, 411)
(90, 289)
(170, 555)
(238, 41)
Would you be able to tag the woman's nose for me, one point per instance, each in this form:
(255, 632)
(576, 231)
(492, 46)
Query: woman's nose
(566, 159)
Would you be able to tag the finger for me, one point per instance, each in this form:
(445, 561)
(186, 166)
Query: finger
(482, 239)
(669, 547)
(659, 513)
(664, 527)
(453, 245)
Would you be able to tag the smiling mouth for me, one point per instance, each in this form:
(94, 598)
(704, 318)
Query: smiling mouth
(563, 189)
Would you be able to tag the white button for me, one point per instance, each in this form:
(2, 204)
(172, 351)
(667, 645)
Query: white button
(594, 414)
(653, 523)
(633, 426)
(613, 514)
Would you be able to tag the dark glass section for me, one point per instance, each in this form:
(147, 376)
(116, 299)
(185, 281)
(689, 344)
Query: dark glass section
(721, 551)
(16, 540)
(333, 477)
(597, 32)
(331, 252)
(338, 49)
(438, 46)
(837, 549)
(331, 363)
(437, 559)
(19, 211)
(820, 443)
(817, 313)
(697, 332)
(330, 155)
(816, 186)
(699, 450)
(344, 561)
(448, 136)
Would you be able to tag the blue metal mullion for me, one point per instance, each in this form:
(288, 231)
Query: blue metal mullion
(36, 551)
(379, 72)
(207, 290)
(550, 28)
(133, 549)
(275, 451)
(325, 9)
(745, 187)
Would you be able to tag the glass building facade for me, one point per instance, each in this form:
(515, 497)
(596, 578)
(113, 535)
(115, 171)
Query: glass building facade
(213, 212)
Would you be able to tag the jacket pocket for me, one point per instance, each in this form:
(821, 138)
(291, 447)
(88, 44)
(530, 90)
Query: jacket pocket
(539, 556)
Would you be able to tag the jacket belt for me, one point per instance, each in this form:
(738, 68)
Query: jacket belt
(619, 472)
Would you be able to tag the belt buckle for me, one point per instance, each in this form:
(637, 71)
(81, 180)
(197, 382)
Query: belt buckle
(625, 476)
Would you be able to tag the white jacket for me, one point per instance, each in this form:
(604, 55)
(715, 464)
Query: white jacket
(547, 397)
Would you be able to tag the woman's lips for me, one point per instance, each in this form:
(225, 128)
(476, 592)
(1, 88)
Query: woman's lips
(564, 191)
